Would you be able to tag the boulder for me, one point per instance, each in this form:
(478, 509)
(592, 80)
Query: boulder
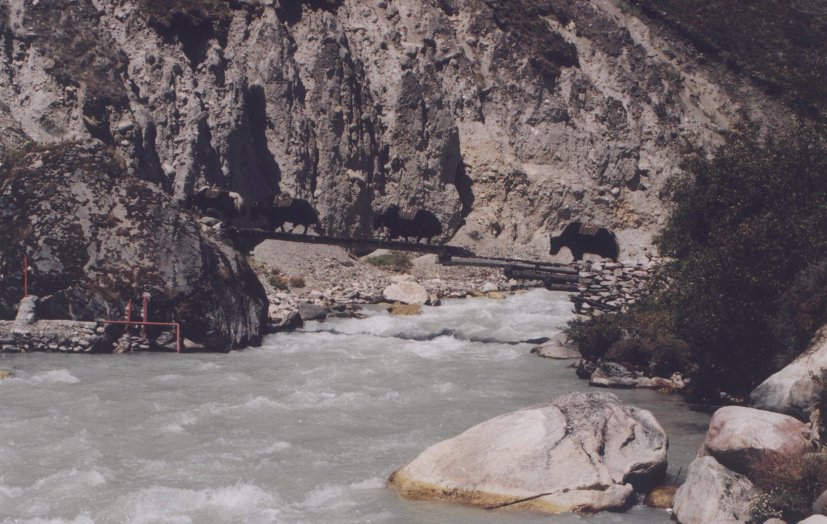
(291, 320)
(612, 375)
(405, 292)
(400, 309)
(820, 504)
(738, 436)
(796, 389)
(558, 347)
(488, 287)
(26, 311)
(310, 312)
(96, 238)
(6, 373)
(713, 493)
(814, 519)
(579, 452)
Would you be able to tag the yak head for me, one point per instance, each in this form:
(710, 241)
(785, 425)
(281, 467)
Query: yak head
(556, 244)
(383, 218)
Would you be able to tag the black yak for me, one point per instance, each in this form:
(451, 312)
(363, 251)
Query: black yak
(283, 208)
(408, 222)
(583, 238)
(216, 202)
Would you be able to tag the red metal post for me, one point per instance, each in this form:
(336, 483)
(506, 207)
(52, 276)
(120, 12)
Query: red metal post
(176, 325)
(145, 308)
(25, 276)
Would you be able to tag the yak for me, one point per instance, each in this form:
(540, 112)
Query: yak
(283, 208)
(216, 202)
(408, 222)
(582, 238)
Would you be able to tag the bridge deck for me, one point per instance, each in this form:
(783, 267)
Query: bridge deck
(436, 249)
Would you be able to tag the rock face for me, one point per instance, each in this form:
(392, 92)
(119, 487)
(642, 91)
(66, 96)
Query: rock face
(406, 292)
(580, 452)
(713, 493)
(26, 311)
(559, 347)
(505, 119)
(738, 437)
(96, 238)
(796, 389)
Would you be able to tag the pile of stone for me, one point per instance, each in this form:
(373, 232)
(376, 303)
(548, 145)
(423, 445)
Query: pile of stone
(611, 286)
(66, 336)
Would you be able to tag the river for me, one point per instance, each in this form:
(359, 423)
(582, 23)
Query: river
(306, 428)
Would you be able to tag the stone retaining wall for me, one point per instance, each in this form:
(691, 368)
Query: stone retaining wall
(65, 336)
(610, 286)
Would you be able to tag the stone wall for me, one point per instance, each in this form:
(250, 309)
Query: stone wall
(64, 336)
(610, 286)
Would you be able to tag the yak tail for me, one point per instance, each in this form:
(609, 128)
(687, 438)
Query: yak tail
(238, 202)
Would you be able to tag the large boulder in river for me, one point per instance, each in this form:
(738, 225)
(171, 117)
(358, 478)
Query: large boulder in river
(739, 437)
(559, 347)
(95, 239)
(579, 452)
(713, 493)
(797, 389)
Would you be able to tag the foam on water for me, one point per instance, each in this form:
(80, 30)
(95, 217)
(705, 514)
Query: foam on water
(57, 376)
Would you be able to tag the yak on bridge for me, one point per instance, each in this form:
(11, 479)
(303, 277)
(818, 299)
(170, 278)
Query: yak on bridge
(582, 237)
(409, 222)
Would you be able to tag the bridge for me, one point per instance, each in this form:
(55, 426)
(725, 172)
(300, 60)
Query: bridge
(555, 276)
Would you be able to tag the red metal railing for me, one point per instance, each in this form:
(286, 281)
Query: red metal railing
(141, 323)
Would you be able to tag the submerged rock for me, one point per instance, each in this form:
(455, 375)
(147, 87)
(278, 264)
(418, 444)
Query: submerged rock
(713, 493)
(738, 437)
(400, 309)
(580, 452)
(6, 373)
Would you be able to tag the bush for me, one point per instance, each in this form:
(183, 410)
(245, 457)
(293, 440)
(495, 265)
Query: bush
(394, 261)
(594, 337)
(744, 225)
(790, 485)
(296, 282)
(278, 282)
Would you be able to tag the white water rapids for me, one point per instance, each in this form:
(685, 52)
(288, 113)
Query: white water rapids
(305, 429)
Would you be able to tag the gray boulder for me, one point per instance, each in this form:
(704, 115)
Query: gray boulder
(309, 312)
(713, 493)
(26, 311)
(796, 389)
(814, 519)
(612, 375)
(559, 347)
(738, 436)
(579, 452)
(820, 504)
(96, 238)
(405, 292)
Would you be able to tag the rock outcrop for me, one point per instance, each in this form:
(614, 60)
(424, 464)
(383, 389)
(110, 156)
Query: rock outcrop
(739, 437)
(713, 493)
(506, 119)
(96, 238)
(580, 452)
(798, 388)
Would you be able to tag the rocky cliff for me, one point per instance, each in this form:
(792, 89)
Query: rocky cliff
(505, 117)
(96, 238)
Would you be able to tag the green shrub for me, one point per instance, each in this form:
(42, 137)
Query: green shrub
(593, 337)
(394, 261)
(745, 223)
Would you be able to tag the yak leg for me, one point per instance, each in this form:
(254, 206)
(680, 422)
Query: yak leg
(305, 229)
